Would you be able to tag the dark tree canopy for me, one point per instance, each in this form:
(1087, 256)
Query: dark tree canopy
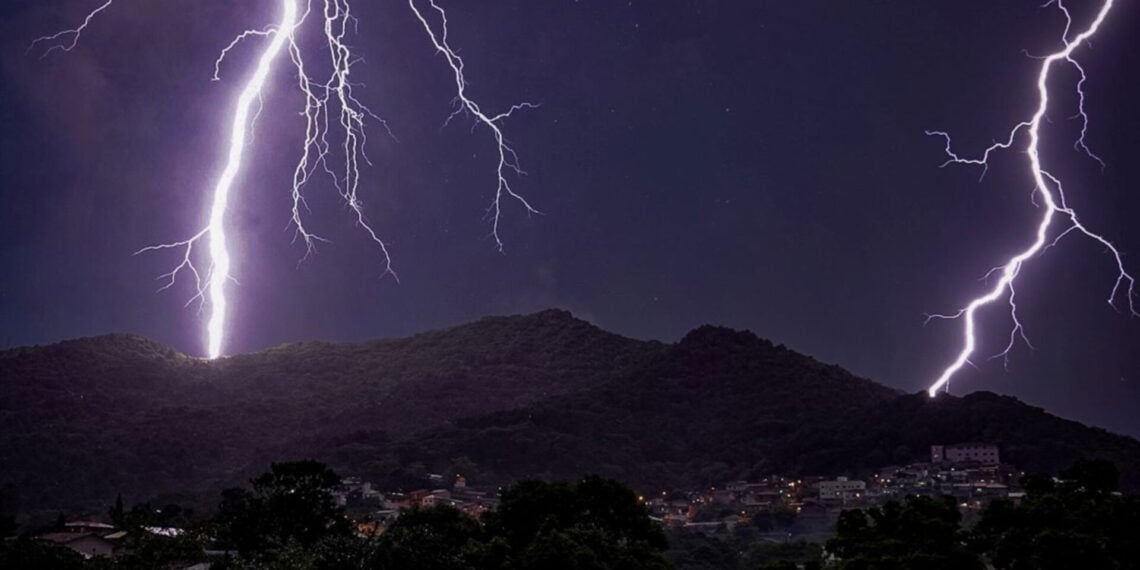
(1074, 521)
(26, 552)
(436, 538)
(920, 533)
(1077, 522)
(595, 524)
(292, 504)
(288, 520)
(1092, 476)
(533, 513)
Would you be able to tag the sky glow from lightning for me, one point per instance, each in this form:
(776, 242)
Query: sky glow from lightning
(330, 107)
(1052, 195)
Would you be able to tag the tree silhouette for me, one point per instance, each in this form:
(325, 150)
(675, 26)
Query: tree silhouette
(292, 504)
(920, 533)
(596, 523)
(1078, 522)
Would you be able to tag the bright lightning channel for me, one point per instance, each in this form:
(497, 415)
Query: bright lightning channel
(1052, 194)
(329, 102)
(219, 253)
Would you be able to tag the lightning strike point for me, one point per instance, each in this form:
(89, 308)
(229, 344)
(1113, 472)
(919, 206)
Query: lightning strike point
(1052, 194)
(329, 106)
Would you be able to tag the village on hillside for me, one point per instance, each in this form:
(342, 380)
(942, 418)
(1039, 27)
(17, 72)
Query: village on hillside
(783, 508)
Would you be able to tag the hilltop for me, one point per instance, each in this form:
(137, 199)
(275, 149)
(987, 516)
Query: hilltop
(723, 405)
(502, 398)
(85, 419)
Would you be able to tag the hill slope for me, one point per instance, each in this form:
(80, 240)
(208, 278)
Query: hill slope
(543, 395)
(722, 405)
(83, 420)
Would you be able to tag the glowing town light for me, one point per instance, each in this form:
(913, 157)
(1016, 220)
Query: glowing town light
(1052, 194)
(329, 105)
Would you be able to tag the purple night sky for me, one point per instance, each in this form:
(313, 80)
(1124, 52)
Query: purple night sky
(760, 165)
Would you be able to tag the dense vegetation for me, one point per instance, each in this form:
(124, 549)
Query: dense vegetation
(289, 521)
(541, 396)
(84, 420)
(1074, 522)
(739, 549)
(723, 405)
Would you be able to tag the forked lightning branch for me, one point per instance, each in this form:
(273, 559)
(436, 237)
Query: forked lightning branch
(1058, 218)
(335, 140)
(333, 145)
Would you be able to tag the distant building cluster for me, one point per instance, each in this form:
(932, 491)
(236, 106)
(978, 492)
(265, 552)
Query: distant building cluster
(726, 506)
(807, 507)
(375, 509)
(970, 472)
(781, 507)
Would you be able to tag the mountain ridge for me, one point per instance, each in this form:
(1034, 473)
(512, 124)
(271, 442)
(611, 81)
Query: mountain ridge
(508, 397)
(722, 405)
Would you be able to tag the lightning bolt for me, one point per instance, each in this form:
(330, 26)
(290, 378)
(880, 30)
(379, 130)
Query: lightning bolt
(329, 106)
(507, 157)
(1052, 195)
(66, 40)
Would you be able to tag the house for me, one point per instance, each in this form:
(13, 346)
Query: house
(841, 489)
(722, 496)
(89, 544)
(88, 526)
(433, 500)
(415, 498)
(736, 486)
(981, 453)
(762, 498)
(167, 531)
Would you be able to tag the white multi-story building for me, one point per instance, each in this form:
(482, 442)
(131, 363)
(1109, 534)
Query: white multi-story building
(841, 489)
(983, 453)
